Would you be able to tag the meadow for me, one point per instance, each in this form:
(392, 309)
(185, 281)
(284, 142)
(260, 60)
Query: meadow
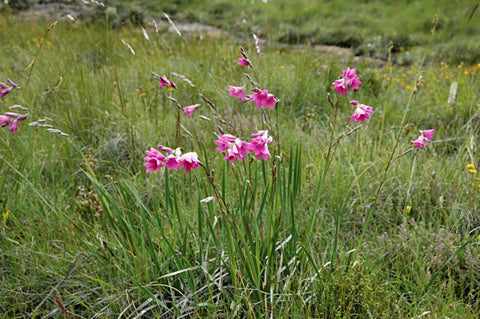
(343, 219)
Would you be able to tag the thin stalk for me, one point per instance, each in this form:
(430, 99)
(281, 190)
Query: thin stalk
(42, 41)
(411, 178)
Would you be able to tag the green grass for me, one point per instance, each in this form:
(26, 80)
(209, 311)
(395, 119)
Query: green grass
(88, 230)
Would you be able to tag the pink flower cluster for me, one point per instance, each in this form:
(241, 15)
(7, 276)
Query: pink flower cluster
(261, 98)
(238, 149)
(13, 122)
(362, 112)
(5, 89)
(174, 159)
(426, 135)
(349, 79)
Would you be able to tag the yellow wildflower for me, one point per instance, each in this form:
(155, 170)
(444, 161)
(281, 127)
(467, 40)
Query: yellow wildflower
(408, 209)
(470, 166)
(472, 171)
(282, 67)
(5, 216)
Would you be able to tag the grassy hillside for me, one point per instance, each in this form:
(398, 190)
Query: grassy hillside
(345, 219)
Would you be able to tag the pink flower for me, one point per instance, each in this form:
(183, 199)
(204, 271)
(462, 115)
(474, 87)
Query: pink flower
(340, 86)
(419, 142)
(173, 160)
(235, 147)
(238, 92)
(262, 98)
(224, 142)
(164, 81)
(190, 109)
(259, 144)
(362, 112)
(189, 161)
(237, 150)
(244, 61)
(349, 79)
(428, 134)
(4, 121)
(165, 149)
(13, 84)
(154, 160)
(13, 126)
(5, 89)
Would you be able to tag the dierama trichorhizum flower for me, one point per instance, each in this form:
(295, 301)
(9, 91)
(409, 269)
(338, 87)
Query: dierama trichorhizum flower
(5, 89)
(262, 98)
(362, 112)
(244, 59)
(235, 147)
(12, 123)
(164, 81)
(238, 92)
(426, 135)
(349, 79)
(154, 160)
(259, 144)
(188, 110)
(173, 161)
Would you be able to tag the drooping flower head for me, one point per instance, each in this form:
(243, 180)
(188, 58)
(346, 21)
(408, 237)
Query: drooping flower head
(349, 79)
(419, 142)
(188, 110)
(154, 160)
(173, 159)
(4, 121)
(13, 124)
(167, 150)
(340, 86)
(235, 147)
(244, 59)
(224, 142)
(262, 98)
(189, 161)
(362, 112)
(238, 92)
(259, 145)
(428, 134)
(164, 81)
(5, 89)
(244, 62)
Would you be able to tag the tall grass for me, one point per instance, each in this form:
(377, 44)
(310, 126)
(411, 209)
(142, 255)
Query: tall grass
(89, 233)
